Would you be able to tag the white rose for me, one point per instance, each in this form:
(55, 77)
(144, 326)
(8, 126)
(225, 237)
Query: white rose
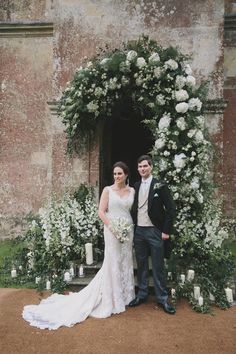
(181, 95)
(179, 160)
(159, 143)
(181, 107)
(141, 62)
(154, 58)
(131, 55)
(190, 81)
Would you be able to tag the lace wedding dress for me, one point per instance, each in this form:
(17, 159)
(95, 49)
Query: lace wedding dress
(110, 290)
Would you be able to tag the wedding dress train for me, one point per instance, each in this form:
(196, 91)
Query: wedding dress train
(110, 290)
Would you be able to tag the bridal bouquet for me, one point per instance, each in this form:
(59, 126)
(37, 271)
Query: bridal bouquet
(120, 228)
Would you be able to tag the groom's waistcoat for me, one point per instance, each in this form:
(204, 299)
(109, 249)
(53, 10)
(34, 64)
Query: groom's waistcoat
(142, 216)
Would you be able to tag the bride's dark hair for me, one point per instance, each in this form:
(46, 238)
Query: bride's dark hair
(124, 167)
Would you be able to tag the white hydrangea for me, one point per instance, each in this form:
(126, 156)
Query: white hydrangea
(181, 107)
(131, 55)
(161, 99)
(181, 95)
(164, 122)
(141, 62)
(179, 160)
(157, 72)
(190, 81)
(195, 104)
(195, 183)
(154, 58)
(180, 81)
(171, 64)
(181, 123)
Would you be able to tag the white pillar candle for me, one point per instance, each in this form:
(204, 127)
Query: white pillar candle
(200, 301)
(72, 272)
(172, 292)
(89, 253)
(212, 297)
(67, 276)
(229, 294)
(196, 292)
(190, 275)
(13, 273)
(37, 280)
(48, 285)
(182, 277)
(81, 271)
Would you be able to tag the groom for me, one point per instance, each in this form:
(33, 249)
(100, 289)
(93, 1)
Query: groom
(153, 212)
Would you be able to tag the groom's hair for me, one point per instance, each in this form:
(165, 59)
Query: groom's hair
(145, 157)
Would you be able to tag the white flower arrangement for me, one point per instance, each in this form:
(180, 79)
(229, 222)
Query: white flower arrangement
(120, 228)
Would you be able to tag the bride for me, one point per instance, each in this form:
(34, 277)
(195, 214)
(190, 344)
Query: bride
(112, 288)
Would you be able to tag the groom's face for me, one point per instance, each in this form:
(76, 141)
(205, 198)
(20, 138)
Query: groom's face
(144, 169)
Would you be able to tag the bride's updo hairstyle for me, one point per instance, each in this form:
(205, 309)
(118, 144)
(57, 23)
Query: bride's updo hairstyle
(124, 167)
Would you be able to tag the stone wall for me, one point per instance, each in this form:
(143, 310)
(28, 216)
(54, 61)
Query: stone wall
(42, 43)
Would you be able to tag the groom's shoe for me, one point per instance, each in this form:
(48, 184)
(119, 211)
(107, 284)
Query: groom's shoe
(137, 301)
(167, 308)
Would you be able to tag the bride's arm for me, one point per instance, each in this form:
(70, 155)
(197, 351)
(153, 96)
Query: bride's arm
(103, 206)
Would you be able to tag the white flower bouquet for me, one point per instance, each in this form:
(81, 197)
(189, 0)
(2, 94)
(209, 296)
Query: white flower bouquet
(120, 227)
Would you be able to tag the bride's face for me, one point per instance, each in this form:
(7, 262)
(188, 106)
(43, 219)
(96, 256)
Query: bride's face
(119, 175)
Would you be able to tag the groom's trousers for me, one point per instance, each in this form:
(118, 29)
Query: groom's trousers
(148, 241)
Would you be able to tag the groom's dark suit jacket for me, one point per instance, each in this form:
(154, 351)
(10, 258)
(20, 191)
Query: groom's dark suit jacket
(161, 209)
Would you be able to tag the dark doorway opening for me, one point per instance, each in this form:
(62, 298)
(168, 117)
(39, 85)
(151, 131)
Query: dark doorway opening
(124, 139)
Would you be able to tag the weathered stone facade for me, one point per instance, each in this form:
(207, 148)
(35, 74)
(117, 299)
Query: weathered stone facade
(42, 43)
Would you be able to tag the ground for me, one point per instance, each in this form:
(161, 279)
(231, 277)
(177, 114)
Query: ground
(144, 329)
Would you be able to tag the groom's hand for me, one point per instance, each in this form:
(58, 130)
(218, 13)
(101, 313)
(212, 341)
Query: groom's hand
(164, 236)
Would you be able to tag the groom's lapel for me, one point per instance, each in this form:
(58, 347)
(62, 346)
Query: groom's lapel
(151, 192)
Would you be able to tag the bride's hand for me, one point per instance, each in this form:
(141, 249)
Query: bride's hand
(165, 236)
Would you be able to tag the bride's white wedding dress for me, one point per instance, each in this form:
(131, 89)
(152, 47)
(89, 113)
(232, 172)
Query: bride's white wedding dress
(110, 290)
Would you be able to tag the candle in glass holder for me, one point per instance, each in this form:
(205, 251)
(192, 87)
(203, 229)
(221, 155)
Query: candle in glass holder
(200, 301)
(212, 297)
(81, 271)
(67, 276)
(190, 275)
(196, 292)
(37, 280)
(89, 253)
(13, 273)
(182, 278)
(229, 294)
(172, 292)
(48, 285)
(72, 272)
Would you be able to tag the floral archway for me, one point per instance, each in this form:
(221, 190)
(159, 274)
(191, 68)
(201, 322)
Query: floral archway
(162, 89)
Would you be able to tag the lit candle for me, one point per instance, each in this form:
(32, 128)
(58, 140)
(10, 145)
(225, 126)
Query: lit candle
(200, 301)
(67, 276)
(89, 253)
(37, 280)
(81, 271)
(182, 277)
(173, 292)
(48, 285)
(13, 273)
(190, 275)
(196, 292)
(229, 294)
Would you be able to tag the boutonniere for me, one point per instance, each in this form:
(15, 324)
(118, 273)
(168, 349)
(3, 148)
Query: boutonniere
(156, 195)
(158, 185)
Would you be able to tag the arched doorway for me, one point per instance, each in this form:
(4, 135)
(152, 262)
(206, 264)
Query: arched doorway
(124, 138)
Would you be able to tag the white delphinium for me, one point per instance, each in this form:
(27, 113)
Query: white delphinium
(181, 95)
(195, 104)
(179, 160)
(171, 64)
(163, 164)
(181, 123)
(141, 62)
(181, 107)
(154, 58)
